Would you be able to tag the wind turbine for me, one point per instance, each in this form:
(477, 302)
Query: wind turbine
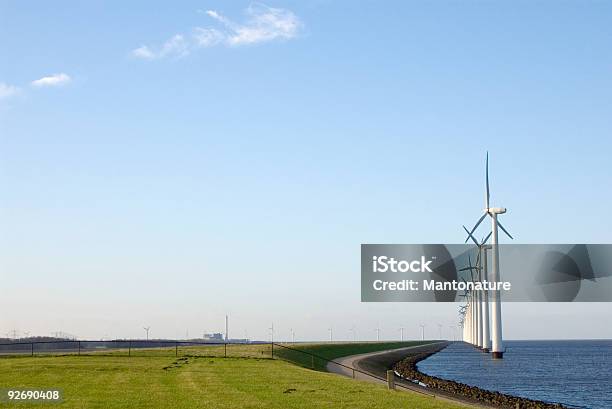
(331, 334)
(462, 322)
(147, 330)
(452, 332)
(401, 330)
(476, 303)
(467, 312)
(422, 332)
(483, 271)
(497, 350)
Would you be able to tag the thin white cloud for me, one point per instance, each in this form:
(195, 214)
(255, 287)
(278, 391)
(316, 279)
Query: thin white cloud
(263, 24)
(143, 52)
(175, 46)
(207, 37)
(54, 80)
(8, 91)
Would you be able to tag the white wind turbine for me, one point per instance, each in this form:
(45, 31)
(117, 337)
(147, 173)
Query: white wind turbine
(474, 306)
(482, 275)
(496, 332)
(463, 322)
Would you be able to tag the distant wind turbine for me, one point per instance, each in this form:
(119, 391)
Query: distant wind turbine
(354, 332)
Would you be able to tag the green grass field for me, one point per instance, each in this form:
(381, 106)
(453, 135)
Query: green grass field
(197, 381)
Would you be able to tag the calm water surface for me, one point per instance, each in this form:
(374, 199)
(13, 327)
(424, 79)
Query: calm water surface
(575, 373)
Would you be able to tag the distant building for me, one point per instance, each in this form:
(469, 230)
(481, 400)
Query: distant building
(217, 336)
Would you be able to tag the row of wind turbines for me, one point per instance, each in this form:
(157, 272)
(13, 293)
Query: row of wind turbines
(474, 315)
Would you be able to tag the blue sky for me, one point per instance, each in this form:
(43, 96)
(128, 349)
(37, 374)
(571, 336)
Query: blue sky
(238, 159)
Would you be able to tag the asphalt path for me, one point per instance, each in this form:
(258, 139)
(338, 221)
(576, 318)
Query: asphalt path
(373, 367)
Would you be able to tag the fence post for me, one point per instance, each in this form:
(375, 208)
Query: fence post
(391, 379)
(130, 347)
(312, 361)
(272, 345)
(225, 351)
(176, 349)
(353, 373)
(32, 349)
(79, 348)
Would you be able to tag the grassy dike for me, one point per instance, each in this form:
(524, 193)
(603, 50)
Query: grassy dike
(316, 356)
(198, 382)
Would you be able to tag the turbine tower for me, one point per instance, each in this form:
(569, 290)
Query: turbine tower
(482, 275)
(354, 332)
(496, 319)
(462, 322)
(473, 306)
(486, 334)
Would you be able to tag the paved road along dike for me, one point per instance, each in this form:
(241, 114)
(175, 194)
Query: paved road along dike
(377, 364)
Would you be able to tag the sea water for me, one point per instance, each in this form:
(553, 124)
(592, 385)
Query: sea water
(574, 373)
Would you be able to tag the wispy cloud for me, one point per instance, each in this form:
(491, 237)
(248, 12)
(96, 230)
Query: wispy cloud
(262, 24)
(7, 91)
(53, 80)
(175, 46)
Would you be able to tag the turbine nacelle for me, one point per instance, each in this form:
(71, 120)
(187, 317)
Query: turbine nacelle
(495, 210)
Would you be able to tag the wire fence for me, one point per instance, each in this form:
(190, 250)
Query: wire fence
(290, 352)
(129, 348)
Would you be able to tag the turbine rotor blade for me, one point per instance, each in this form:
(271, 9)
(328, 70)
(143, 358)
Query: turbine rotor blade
(504, 230)
(487, 179)
(478, 223)
(469, 236)
(486, 238)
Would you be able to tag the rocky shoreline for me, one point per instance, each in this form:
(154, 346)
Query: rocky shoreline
(407, 368)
